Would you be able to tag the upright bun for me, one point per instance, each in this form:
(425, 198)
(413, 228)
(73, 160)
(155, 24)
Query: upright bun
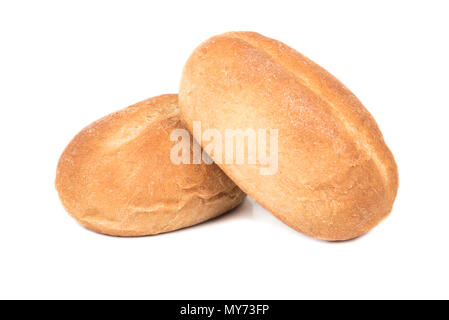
(336, 178)
(116, 176)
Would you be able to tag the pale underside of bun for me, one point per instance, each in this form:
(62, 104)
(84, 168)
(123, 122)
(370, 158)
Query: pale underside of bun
(116, 177)
(336, 179)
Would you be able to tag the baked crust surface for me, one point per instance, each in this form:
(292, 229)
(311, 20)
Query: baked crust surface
(116, 177)
(336, 178)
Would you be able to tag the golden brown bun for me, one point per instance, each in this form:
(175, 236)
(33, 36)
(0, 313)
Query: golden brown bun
(116, 176)
(336, 178)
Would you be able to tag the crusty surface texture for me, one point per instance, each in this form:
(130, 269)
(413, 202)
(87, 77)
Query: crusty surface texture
(336, 179)
(116, 177)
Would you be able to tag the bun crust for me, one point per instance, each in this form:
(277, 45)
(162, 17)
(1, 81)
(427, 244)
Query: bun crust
(336, 177)
(116, 177)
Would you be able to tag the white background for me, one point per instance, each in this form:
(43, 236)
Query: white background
(64, 64)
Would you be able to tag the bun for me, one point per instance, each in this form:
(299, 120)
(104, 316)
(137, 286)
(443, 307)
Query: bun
(116, 176)
(336, 177)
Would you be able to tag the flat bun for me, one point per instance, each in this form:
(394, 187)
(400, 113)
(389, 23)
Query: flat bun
(116, 176)
(336, 177)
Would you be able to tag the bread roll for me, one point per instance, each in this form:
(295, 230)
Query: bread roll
(336, 177)
(116, 176)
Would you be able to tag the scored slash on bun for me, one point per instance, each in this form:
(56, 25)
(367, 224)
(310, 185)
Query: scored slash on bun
(116, 177)
(336, 179)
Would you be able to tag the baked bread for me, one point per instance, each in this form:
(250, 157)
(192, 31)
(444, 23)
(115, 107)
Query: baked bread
(116, 176)
(336, 178)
